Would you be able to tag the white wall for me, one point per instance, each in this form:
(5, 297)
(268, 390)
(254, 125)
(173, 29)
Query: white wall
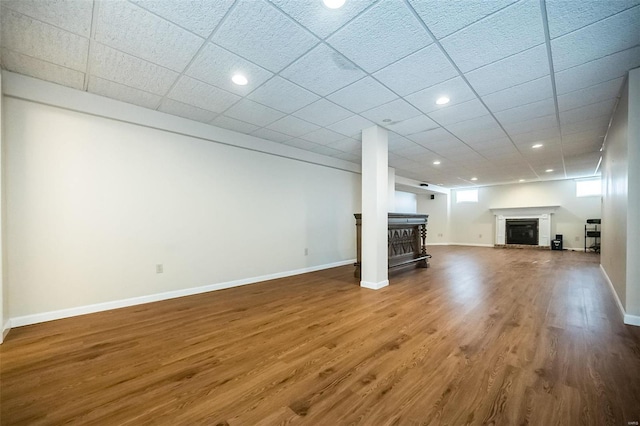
(474, 223)
(93, 204)
(438, 222)
(4, 300)
(633, 210)
(405, 202)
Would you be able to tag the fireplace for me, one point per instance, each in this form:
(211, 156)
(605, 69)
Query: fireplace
(522, 231)
(540, 214)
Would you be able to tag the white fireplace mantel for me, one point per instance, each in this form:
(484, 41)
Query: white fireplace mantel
(542, 213)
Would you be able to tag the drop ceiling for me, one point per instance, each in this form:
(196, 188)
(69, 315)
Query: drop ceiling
(517, 73)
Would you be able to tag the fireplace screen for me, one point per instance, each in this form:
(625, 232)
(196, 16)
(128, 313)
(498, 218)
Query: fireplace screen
(522, 231)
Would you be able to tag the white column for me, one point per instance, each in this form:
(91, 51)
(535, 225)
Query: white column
(391, 200)
(375, 193)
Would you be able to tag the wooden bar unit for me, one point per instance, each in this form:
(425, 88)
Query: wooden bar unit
(407, 241)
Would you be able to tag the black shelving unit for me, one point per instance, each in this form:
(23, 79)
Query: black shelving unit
(592, 235)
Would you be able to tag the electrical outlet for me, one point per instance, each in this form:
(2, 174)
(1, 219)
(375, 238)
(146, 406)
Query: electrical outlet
(479, 235)
(306, 252)
(439, 235)
(159, 268)
(577, 238)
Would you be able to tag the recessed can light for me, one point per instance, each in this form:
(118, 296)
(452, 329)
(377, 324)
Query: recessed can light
(239, 79)
(442, 100)
(474, 178)
(333, 4)
(549, 170)
(538, 145)
(436, 162)
(521, 180)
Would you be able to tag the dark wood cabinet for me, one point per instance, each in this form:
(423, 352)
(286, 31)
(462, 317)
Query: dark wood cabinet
(407, 240)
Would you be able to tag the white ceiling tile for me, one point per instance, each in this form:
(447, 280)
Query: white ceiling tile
(414, 151)
(323, 112)
(611, 35)
(590, 136)
(133, 30)
(254, 113)
(301, 144)
(283, 95)
(428, 138)
(362, 95)
(595, 123)
(325, 150)
(187, 111)
(337, 71)
(292, 126)
(455, 89)
(347, 156)
(517, 69)
(590, 95)
(565, 16)
(477, 129)
(597, 71)
(215, 65)
(417, 71)
(264, 35)
(525, 93)
(527, 112)
(380, 36)
(586, 112)
(416, 124)
(202, 95)
(397, 141)
(457, 113)
(125, 69)
(323, 136)
(73, 16)
(271, 135)
(42, 41)
(438, 14)
(123, 93)
(492, 147)
(351, 126)
(350, 145)
(536, 125)
(198, 16)
(509, 31)
(319, 19)
(33, 67)
(394, 111)
(233, 124)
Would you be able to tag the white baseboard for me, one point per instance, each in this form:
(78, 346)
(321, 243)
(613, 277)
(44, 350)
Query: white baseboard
(106, 306)
(470, 245)
(627, 318)
(437, 244)
(5, 330)
(374, 286)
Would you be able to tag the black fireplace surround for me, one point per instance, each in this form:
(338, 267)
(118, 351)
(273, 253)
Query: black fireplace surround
(522, 231)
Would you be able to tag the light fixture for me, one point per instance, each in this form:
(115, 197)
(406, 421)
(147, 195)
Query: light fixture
(538, 145)
(442, 100)
(239, 79)
(549, 170)
(474, 178)
(333, 4)
(521, 180)
(436, 162)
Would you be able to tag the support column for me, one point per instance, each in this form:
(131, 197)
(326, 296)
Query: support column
(375, 193)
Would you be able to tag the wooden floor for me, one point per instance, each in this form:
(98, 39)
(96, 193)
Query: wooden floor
(484, 336)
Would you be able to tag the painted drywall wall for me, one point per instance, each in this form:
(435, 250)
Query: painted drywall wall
(4, 300)
(615, 177)
(405, 202)
(438, 222)
(94, 204)
(474, 223)
(633, 193)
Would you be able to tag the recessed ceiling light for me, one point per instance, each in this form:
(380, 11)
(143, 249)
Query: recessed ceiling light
(436, 162)
(538, 145)
(387, 120)
(474, 178)
(549, 170)
(333, 4)
(521, 180)
(442, 100)
(239, 79)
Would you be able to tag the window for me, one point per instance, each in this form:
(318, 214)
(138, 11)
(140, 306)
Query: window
(588, 187)
(467, 196)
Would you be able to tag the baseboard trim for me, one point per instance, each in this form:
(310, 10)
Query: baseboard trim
(470, 245)
(5, 330)
(627, 318)
(374, 286)
(116, 304)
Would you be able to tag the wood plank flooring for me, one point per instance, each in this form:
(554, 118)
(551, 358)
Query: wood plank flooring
(484, 336)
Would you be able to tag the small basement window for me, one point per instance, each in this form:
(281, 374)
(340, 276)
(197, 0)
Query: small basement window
(588, 187)
(467, 196)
